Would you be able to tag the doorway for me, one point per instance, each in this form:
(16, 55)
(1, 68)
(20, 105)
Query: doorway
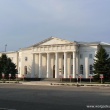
(54, 71)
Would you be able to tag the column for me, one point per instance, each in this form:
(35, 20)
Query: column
(56, 65)
(65, 65)
(40, 65)
(48, 65)
(77, 62)
(86, 69)
(33, 67)
(74, 64)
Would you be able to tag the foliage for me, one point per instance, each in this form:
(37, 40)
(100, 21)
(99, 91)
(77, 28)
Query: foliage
(7, 66)
(102, 64)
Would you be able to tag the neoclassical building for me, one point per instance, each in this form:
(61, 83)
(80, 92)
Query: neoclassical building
(55, 58)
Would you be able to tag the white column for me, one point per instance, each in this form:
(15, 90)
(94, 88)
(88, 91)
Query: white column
(77, 62)
(65, 65)
(48, 65)
(86, 69)
(40, 65)
(33, 67)
(56, 65)
(74, 64)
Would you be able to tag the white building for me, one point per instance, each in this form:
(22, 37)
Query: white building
(55, 57)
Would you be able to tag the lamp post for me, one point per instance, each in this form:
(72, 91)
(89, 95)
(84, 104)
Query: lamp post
(5, 47)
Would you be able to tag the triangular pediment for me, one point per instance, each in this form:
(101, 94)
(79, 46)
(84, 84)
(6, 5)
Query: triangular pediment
(53, 41)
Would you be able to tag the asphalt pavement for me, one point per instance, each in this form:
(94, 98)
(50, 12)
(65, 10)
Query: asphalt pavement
(36, 97)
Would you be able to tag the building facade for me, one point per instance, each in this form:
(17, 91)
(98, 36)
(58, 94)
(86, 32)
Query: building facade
(55, 58)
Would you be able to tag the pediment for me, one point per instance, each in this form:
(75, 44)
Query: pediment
(52, 41)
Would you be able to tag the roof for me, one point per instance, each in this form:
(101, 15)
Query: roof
(50, 38)
(63, 40)
(93, 43)
(89, 43)
(103, 43)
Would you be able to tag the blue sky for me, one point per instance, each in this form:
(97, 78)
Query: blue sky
(26, 22)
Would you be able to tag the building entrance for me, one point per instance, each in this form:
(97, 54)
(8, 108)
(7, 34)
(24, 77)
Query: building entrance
(54, 71)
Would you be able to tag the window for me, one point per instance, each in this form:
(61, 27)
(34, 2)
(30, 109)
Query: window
(25, 70)
(81, 69)
(26, 58)
(63, 56)
(81, 56)
(90, 69)
(63, 69)
(71, 69)
(90, 56)
(71, 56)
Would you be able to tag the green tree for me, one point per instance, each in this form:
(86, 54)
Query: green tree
(7, 66)
(101, 64)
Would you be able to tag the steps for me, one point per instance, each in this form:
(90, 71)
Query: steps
(51, 79)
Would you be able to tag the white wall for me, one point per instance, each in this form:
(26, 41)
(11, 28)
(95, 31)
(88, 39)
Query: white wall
(85, 60)
(29, 63)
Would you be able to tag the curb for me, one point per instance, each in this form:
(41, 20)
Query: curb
(5, 82)
(82, 85)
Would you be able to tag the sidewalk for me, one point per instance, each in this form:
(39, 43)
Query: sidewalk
(49, 83)
(36, 83)
(79, 84)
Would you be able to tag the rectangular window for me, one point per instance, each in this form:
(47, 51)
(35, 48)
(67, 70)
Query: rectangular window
(25, 70)
(81, 56)
(90, 69)
(63, 69)
(63, 57)
(81, 69)
(71, 69)
(26, 58)
(71, 56)
(90, 56)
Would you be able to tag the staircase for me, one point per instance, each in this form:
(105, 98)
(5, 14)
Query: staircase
(51, 79)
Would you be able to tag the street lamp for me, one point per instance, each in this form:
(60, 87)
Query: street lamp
(5, 47)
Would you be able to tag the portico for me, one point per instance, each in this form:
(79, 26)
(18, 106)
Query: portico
(56, 64)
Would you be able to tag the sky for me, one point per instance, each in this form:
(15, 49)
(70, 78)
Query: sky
(27, 22)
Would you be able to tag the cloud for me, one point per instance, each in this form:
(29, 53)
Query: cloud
(29, 19)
